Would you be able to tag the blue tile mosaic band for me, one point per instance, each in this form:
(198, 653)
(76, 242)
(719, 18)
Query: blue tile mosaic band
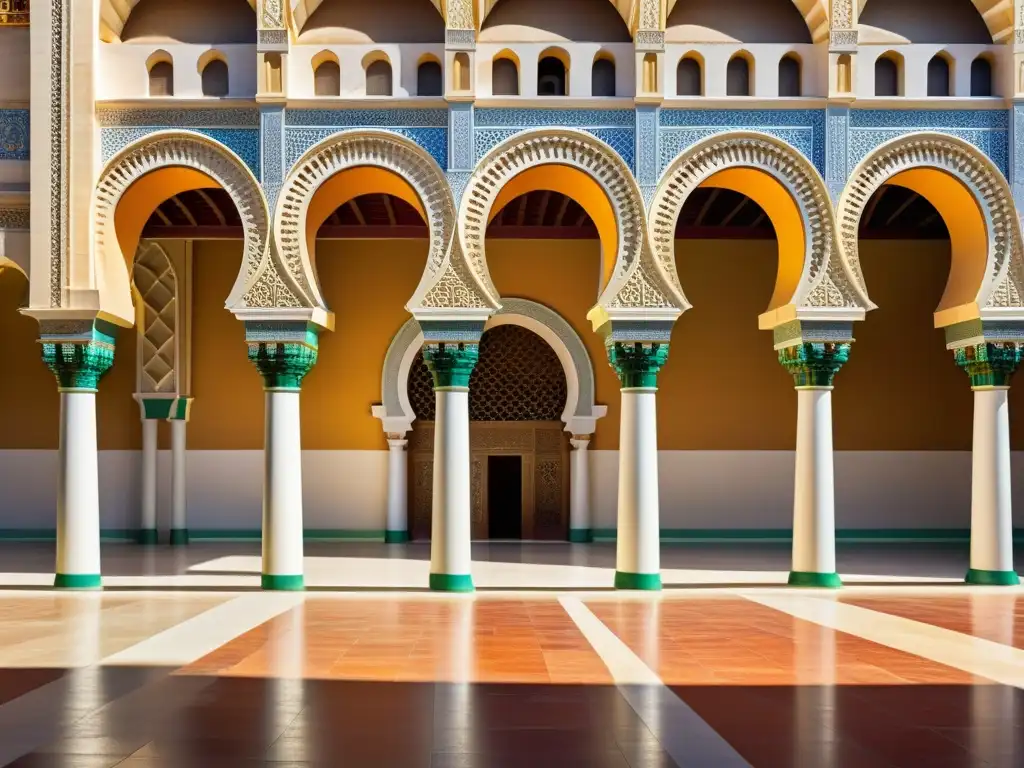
(14, 134)
(367, 118)
(299, 140)
(244, 142)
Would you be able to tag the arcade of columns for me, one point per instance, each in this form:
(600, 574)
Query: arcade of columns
(80, 293)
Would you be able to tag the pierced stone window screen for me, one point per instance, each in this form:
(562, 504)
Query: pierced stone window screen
(517, 378)
(156, 288)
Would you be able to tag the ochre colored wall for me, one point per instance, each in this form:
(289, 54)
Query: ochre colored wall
(722, 388)
(228, 409)
(367, 284)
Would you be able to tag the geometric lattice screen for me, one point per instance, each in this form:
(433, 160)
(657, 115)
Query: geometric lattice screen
(517, 378)
(155, 283)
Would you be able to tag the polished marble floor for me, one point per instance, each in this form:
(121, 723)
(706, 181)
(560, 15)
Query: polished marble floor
(171, 666)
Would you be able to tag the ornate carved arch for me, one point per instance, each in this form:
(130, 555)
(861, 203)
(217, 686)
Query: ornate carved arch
(1004, 274)
(580, 413)
(447, 280)
(554, 147)
(260, 283)
(823, 283)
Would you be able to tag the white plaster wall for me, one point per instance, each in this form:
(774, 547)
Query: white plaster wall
(915, 68)
(348, 489)
(581, 60)
(766, 57)
(15, 79)
(405, 59)
(123, 73)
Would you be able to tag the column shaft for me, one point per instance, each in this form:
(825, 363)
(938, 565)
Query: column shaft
(179, 526)
(991, 510)
(814, 528)
(580, 530)
(148, 527)
(450, 557)
(282, 492)
(78, 509)
(638, 562)
(397, 527)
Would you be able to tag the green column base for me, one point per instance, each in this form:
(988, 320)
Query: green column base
(451, 582)
(179, 537)
(282, 583)
(581, 535)
(992, 578)
(648, 581)
(812, 579)
(78, 581)
(396, 537)
(148, 536)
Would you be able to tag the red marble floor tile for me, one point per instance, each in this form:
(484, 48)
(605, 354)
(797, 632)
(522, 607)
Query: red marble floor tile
(784, 691)
(995, 617)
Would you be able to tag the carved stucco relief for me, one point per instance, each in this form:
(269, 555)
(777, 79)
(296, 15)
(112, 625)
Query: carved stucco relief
(262, 281)
(271, 14)
(1003, 284)
(568, 147)
(459, 14)
(447, 281)
(825, 282)
(157, 287)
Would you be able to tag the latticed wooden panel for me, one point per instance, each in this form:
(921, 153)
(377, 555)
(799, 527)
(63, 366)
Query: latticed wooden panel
(518, 378)
(157, 288)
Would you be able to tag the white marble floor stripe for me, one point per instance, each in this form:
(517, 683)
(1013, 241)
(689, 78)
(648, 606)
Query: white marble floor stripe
(194, 638)
(1000, 663)
(682, 733)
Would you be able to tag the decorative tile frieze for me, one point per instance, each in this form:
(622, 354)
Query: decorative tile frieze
(272, 163)
(14, 134)
(510, 117)
(367, 118)
(244, 142)
(986, 129)
(176, 117)
(460, 137)
(300, 140)
(460, 39)
(272, 40)
(14, 218)
(802, 128)
(837, 122)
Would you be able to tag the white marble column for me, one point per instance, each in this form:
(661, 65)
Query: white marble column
(814, 525)
(179, 525)
(78, 507)
(990, 366)
(148, 528)
(638, 546)
(282, 492)
(451, 365)
(580, 525)
(396, 529)
(991, 509)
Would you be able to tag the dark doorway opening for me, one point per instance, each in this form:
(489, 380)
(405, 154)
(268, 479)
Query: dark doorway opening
(505, 497)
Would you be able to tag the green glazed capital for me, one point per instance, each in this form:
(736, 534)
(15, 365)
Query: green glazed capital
(637, 363)
(80, 362)
(990, 364)
(283, 365)
(814, 363)
(451, 364)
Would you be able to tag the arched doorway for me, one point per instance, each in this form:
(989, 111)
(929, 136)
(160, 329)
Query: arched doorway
(519, 449)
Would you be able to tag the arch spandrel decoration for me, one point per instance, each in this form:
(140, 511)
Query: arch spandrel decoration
(261, 282)
(447, 281)
(825, 282)
(1003, 285)
(576, 149)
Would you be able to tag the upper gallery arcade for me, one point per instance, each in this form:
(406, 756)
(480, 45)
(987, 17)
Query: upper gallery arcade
(469, 233)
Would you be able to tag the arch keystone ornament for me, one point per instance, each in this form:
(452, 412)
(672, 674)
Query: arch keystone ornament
(262, 283)
(448, 281)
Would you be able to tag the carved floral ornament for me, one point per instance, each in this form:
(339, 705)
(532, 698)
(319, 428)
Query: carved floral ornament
(447, 281)
(825, 282)
(1003, 286)
(261, 283)
(576, 149)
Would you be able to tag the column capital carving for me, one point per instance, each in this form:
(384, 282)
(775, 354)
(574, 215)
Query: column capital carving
(580, 442)
(78, 353)
(283, 352)
(989, 364)
(814, 364)
(637, 363)
(397, 441)
(451, 364)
